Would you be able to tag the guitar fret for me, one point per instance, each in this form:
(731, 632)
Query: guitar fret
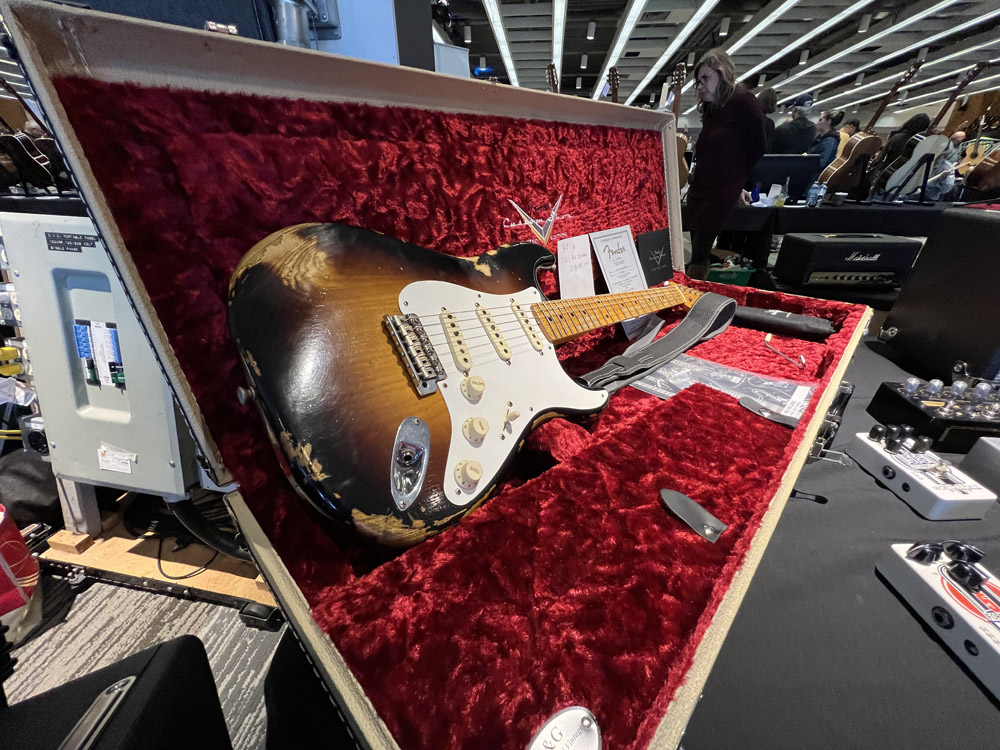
(562, 320)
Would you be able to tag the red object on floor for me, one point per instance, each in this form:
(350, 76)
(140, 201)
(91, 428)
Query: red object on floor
(18, 569)
(572, 585)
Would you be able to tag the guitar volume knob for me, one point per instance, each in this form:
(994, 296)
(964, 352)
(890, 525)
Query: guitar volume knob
(473, 388)
(468, 474)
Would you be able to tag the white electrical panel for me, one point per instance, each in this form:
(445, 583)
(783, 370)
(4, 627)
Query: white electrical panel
(109, 416)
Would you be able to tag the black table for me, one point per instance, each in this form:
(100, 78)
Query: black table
(822, 654)
(907, 220)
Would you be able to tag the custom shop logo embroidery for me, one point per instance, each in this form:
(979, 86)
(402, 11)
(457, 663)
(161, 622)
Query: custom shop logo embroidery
(658, 256)
(541, 230)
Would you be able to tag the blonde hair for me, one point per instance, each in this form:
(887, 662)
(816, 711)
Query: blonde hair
(721, 63)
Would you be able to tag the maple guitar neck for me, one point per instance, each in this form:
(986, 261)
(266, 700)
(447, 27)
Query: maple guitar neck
(563, 320)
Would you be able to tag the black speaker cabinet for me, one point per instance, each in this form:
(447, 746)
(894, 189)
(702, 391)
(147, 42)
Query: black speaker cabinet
(948, 310)
(847, 259)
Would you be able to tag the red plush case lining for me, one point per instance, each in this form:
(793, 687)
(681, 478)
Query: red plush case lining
(572, 585)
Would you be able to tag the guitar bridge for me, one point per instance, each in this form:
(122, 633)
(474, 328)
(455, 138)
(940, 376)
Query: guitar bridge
(416, 350)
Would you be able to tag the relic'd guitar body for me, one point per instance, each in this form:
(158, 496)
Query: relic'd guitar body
(848, 169)
(398, 383)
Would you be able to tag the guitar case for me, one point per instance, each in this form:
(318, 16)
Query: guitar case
(570, 585)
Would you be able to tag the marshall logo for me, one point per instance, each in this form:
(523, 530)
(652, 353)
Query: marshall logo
(542, 231)
(862, 256)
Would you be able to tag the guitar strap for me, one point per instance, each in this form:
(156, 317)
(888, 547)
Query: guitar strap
(709, 316)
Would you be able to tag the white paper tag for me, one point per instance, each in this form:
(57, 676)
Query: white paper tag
(103, 351)
(620, 265)
(797, 404)
(573, 728)
(576, 272)
(112, 458)
(774, 192)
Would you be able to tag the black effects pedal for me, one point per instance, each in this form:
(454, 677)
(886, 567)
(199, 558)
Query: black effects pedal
(953, 416)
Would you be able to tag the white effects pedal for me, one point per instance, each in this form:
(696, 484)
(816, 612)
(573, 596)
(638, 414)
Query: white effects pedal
(929, 484)
(958, 599)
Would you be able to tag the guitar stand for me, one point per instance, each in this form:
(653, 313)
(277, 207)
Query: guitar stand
(925, 163)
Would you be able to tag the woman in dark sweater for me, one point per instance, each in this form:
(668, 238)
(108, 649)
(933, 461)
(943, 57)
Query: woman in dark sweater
(729, 146)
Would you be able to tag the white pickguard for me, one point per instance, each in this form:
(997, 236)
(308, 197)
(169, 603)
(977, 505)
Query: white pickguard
(530, 383)
(933, 145)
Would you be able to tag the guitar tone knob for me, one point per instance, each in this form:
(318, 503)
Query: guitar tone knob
(468, 474)
(911, 385)
(473, 387)
(934, 386)
(958, 388)
(475, 430)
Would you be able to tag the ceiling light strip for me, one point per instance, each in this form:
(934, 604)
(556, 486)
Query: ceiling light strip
(897, 53)
(633, 14)
(943, 99)
(686, 31)
(500, 34)
(558, 35)
(912, 99)
(961, 53)
(741, 42)
(822, 28)
(924, 82)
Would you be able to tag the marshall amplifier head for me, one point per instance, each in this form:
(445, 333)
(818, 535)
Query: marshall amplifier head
(845, 259)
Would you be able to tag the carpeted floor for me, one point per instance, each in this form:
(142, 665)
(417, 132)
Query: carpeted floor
(84, 630)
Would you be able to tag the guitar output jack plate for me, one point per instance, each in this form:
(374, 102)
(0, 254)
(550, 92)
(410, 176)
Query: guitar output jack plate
(408, 466)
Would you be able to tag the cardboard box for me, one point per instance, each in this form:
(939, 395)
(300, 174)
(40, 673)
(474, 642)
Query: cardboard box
(572, 585)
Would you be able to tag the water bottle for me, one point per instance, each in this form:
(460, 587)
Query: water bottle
(812, 194)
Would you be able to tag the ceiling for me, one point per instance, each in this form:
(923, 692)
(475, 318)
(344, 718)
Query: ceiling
(796, 46)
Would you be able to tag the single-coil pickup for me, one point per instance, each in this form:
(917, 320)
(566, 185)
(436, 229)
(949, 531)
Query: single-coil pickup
(416, 351)
(456, 340)
(525, 319)
(493, 331)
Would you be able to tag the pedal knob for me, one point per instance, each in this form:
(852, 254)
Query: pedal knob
(922, 445)
(958, 388)
(473, 387)
(934, 386)
(905, 431)
(877, 432)
(475, 429)
(891, 431)
(468, 474)
(925, 554)
(981, 391)
(893, 444)
(911, 385)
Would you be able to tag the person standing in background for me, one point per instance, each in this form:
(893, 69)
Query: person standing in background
(796, 135)
(850, 128)
(827, 139)
(729, 146)
(769, 103)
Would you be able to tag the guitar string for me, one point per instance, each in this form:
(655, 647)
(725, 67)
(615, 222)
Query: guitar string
(567, 320)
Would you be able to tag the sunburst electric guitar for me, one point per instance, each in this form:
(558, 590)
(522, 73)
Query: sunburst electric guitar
(398, 383)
